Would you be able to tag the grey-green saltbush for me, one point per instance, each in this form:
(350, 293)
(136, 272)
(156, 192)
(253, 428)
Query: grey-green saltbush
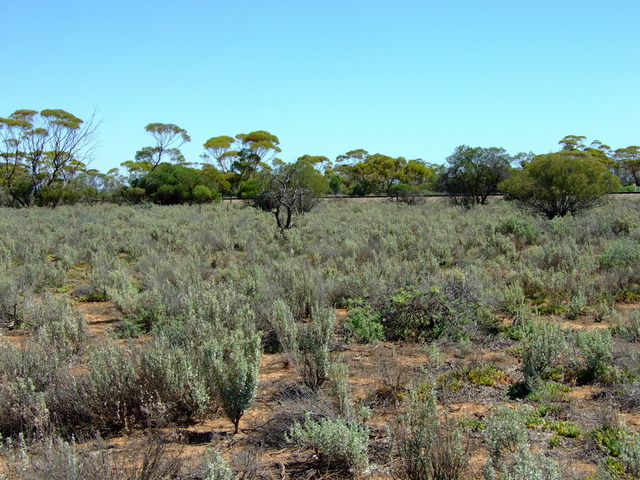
(174, 387)
(341, 396)
(596, 347)
(285, 328)
(620, 253)
(543, 345)
(306, 346)
(506, 431)
(313, 344)
(426, 446)
(524, 465)
(340, 444)
(216, 467)
(234, 361)
(510, 457)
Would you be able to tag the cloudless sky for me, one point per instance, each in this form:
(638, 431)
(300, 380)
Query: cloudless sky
(404, 78)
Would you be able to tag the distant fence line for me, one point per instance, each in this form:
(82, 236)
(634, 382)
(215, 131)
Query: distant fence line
(396, 197)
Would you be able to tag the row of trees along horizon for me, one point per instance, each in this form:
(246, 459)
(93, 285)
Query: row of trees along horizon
(45, 160)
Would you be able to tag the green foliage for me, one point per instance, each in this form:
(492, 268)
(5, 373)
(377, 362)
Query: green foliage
(242, 158)
(562, 183)
(185, 277)
(628, 161)
(622, 448)
(169, 184)
(610, 438)
(41, 153)
(486, 376)
(547, 391)
(564, 428)
(339, 443)
(290, 190)
(523, 231)
(631, 331)
(168, 140)
(576, 306)
(474, 173)
(363, 324)
(431, 311)
(202, 194)
(512, 300)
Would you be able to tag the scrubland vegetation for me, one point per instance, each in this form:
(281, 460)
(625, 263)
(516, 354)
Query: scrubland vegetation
(377, 339)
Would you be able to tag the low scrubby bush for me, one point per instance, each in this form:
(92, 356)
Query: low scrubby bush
(427, 447)
(510, 457)
(339, 443)
(234, 363)
(363, 324)
(543, 345)
(596, 347)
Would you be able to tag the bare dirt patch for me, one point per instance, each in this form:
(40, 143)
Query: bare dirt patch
(101, 317)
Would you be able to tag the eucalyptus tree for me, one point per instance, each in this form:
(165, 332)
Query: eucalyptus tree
(596, 148)
(168, 139)
(218, 148)
(367, 174)
(474, 173)
(628, 160)
(240, 158)
(40, 152)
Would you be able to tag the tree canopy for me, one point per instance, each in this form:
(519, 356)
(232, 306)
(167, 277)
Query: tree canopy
(168, 139)
(170, 184)
(628, 162)
(40, 152)
(474, 173)
(366, 174)
(557, 184)
(241, 158)
(290, 190)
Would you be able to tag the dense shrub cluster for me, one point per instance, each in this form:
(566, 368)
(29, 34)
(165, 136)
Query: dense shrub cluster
(211, 290)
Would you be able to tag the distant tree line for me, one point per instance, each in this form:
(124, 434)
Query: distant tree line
(44, 159)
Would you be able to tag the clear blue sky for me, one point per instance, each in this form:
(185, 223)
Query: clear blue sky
(403, 78)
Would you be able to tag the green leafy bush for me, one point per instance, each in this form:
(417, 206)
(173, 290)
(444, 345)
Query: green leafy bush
(562, 183)
(486, 376)
(363, 324)
(430, 312)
